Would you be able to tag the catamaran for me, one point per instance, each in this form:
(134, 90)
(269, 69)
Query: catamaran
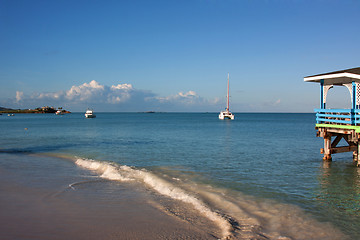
(227, 114)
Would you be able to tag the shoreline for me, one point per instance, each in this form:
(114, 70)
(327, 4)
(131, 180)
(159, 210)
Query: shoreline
(77, 206)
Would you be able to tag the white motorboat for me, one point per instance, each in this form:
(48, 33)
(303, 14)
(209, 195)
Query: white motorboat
(90, 114)
(227, 114)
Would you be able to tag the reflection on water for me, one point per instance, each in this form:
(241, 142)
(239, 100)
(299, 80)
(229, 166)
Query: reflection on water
(340, 187)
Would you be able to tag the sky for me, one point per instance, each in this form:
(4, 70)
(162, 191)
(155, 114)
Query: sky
(174, 55)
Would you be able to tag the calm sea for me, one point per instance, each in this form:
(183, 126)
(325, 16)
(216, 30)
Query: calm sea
(263, 170)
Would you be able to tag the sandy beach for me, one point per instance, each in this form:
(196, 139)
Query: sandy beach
(40, 202)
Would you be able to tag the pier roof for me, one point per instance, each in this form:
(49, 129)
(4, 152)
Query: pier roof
(337, 77)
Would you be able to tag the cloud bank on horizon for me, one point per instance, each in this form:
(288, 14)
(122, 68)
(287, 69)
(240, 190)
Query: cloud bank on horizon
(120, 97)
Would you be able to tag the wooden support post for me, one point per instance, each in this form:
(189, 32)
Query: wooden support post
(355, 155)
(327, 147)
(358, 154)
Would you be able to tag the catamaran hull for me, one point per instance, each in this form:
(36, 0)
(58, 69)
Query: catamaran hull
(90, 116)
(226, 115)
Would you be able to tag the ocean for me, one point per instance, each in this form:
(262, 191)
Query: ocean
(260, 176)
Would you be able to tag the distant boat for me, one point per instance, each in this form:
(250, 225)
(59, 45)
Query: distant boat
(90, 114)
(11, 114)
(227, 114)
(59, 112)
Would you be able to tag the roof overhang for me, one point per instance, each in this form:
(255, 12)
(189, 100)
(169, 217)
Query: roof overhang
(336, 78)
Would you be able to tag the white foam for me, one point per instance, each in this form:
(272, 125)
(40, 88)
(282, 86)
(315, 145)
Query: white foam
(105, 170)
(167, 189)
(125, 173)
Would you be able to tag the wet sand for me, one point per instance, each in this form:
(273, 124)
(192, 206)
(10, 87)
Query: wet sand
(36, 202)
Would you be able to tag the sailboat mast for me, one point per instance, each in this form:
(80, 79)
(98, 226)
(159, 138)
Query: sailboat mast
(228, 107)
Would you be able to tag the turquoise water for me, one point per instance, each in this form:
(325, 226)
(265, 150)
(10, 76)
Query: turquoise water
(272, 158)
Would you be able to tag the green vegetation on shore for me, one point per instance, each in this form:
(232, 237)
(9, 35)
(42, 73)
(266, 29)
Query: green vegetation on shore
(36, 110)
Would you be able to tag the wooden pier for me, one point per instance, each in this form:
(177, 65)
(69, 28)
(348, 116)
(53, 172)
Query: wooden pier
(336, 124)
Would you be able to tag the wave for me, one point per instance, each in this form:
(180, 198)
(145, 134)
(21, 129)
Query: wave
(113, 171)
(237, 216)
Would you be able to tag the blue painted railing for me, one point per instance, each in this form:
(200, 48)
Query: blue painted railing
(338, 116)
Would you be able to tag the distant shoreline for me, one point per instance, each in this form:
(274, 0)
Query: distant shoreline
(36, 110)
(29, 111)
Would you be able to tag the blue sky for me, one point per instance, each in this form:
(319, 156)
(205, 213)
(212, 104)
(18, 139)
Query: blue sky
(174, 55)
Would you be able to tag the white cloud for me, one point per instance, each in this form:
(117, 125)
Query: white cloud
(186, 101)
(120, 93)
(188, 98)
(125, 86)
(117, 97)
(19, 96)
(85, 91)
(86, 94)
(188, 94)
